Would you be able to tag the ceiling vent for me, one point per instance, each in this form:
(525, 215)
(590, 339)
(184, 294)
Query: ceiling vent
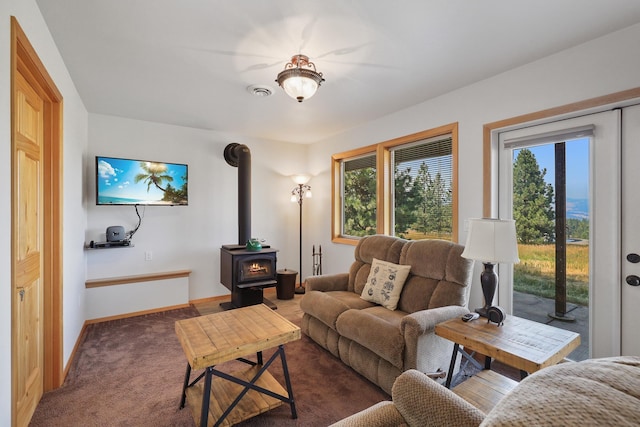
(260, 90)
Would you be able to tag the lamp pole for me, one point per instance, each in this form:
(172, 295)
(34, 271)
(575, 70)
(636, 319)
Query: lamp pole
(297, 194)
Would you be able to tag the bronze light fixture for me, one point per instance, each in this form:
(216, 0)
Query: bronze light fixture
(299, 79)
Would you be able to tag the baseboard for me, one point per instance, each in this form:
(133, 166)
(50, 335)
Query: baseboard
(136, 313)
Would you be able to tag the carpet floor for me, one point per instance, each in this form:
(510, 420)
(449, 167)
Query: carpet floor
(129, 372)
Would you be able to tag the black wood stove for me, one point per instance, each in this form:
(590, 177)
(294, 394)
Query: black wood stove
(245, 272)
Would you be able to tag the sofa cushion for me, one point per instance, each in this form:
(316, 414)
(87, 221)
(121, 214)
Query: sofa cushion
(376, 329)
(327, 306)
(385, 248)
(385, 283)
(439, 275)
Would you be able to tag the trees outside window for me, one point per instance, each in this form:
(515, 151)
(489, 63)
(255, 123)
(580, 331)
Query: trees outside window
(359, 206)
(532, 200)
(404, 187)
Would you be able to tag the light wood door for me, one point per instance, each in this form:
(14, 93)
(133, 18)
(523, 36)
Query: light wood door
(27, 249)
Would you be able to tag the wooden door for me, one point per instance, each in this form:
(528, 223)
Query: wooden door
(27, 249)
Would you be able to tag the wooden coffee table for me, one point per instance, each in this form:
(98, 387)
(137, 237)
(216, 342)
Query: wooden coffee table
(216, 338)
(523, 344)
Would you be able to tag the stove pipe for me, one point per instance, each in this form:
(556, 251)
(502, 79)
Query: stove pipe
(239, 155)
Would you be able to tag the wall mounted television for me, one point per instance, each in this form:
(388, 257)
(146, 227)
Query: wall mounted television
(140, 182)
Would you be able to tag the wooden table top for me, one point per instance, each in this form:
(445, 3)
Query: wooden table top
(220, 337)
(520, 343)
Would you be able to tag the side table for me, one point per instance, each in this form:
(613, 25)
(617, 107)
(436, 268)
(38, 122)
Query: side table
(520, 343)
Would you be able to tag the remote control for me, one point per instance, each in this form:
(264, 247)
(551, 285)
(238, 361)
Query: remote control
(470, 316)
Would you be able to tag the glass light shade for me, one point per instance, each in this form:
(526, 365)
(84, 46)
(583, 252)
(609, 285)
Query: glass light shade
(308, 194)
(294, 198)
(300, 178)
(492, 241)
(300, 87)
(299, 79)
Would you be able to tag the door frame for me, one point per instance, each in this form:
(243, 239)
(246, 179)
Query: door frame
(24, 60)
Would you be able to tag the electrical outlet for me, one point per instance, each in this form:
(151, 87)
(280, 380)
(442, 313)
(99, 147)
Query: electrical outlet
(148, 255)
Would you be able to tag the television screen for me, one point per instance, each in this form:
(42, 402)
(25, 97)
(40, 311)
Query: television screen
(140, 182)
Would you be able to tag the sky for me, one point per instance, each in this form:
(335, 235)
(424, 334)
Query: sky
(577, 157)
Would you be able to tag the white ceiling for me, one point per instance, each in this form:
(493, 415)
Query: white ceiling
(189, 62)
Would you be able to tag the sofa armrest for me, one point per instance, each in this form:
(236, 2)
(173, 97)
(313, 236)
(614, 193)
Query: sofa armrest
(328, 282)
(423, 321)
(417, 329)
(423, 402)
(418, 401)
(382, 414)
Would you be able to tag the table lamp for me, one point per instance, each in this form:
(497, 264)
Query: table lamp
(491, 241)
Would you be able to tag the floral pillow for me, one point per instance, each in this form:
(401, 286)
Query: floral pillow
(385, 283)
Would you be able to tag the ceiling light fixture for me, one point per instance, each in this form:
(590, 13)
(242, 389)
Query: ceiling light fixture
(298, 82)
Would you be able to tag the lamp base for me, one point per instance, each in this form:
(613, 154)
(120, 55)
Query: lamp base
(299, 290)
(482, 311)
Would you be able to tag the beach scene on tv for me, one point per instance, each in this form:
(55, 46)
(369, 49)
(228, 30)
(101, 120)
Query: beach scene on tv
(137, 182)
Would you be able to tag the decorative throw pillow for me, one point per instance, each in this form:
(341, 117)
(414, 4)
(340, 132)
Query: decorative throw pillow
(385, 283)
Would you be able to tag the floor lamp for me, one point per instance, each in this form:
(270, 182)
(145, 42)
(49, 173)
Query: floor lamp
(297, 195)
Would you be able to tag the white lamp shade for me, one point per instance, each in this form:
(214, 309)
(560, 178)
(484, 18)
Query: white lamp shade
(492, 240)
(300, 178)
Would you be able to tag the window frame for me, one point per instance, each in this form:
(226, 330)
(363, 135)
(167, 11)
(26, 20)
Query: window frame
(384, 181)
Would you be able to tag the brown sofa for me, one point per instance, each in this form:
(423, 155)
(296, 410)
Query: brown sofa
(595, 392)
(377, 342)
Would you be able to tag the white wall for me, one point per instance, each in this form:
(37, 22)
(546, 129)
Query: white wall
(74, 146)
(190, 237)
(603, 66)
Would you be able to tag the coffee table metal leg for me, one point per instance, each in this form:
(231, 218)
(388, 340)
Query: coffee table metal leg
(285, 370)
(185, 385)
(206, 396)
(452, 365)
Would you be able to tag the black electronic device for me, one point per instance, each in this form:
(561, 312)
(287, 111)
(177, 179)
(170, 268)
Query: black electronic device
(496, 315)
(470, 316)
(118, 244)
(115, 233)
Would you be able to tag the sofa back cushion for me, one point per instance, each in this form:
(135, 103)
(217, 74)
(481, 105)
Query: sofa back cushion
(384, 248)
(439, 275)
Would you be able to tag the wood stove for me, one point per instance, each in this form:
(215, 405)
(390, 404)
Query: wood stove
(246, 273)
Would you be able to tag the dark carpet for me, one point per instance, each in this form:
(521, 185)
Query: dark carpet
(129, 372)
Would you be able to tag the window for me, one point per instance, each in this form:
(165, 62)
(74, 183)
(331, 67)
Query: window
(547, 191)
(405, 187)
(359, 196)
(422, 189)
